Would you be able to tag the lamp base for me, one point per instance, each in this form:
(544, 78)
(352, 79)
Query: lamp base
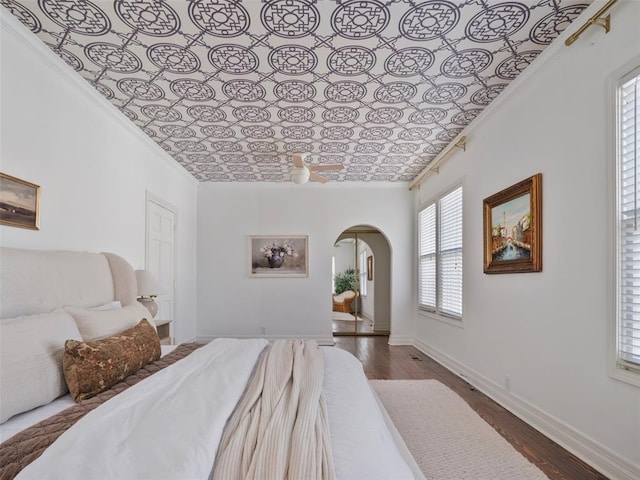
(150, 304)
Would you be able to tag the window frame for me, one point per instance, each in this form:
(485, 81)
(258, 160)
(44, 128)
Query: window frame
(362, 272)
(333, 274)
(436, 311)
(618, 367)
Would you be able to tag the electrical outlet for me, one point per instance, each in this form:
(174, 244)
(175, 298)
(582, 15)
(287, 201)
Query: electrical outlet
(263, 330)
(507, 383)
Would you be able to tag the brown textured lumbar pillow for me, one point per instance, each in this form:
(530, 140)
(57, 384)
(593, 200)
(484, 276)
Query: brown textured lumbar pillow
(92, 367)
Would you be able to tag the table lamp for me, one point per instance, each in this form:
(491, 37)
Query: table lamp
(148, 289)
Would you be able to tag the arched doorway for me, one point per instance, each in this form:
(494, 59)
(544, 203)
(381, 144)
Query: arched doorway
(366, 251)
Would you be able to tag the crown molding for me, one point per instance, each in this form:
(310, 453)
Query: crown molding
(331, 185)
(12, 25)
(549, 55)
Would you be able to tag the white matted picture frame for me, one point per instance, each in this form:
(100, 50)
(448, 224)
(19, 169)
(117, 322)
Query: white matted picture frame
(279, 255)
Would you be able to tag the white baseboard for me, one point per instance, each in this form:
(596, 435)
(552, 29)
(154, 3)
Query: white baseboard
(583, 447)
(400, 340)
(322, 340)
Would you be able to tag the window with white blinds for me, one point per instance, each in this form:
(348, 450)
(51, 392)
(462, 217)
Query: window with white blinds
(363, 273)
(628, 215)
(440, 252)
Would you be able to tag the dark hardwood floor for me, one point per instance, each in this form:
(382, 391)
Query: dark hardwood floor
(364, 326)
(382, 361)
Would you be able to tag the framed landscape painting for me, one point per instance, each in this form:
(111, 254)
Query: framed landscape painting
(513, 228)
(19, 203)
(279, 256)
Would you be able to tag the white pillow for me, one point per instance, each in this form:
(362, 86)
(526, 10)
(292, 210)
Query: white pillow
(108, 306)
(98, 324)
(31, 349)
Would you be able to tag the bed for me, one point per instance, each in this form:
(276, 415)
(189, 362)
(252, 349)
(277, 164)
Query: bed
(187, 411)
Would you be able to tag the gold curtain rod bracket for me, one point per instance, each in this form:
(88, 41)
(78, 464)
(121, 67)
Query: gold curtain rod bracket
(597, 19)
(604, 23)
(462, 143)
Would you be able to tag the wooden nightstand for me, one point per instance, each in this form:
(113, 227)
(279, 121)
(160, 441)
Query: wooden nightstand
(164, 331)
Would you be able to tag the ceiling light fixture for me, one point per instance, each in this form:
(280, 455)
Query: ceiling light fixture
(300, 175)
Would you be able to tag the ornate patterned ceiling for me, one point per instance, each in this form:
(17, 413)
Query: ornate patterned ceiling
(229, 88)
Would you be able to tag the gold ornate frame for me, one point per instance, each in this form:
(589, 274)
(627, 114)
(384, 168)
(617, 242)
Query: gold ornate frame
(525, 235)
(27, 216)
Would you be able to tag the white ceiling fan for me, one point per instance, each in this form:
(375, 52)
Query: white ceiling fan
(301, 173)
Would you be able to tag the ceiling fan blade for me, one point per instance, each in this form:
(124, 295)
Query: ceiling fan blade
(321, 168)
(317, 178)
(297, 161)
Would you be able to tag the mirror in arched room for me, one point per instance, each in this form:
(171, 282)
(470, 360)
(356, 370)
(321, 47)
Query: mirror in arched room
(361, 271)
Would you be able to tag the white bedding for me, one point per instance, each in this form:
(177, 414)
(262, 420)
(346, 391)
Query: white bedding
(362, 444)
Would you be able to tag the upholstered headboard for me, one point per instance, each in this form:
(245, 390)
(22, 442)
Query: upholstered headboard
(33, 282)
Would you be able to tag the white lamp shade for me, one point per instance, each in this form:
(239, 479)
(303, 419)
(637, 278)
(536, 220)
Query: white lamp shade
(148, 286)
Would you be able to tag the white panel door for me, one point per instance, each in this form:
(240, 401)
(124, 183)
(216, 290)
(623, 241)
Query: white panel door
(161, 255)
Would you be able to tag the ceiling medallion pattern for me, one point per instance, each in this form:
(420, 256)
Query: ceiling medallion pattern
(79, 17)
(229, 88)
(157, 19)
(173, 58)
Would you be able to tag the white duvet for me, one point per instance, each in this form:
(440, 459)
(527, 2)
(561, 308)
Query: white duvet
(169, 426)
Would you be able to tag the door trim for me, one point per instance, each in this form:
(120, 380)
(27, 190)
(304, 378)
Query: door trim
(151, 197)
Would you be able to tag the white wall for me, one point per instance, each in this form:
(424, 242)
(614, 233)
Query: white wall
(343, 251)
(548, 331)
(367, 301)
(232, 303)
(93, 168)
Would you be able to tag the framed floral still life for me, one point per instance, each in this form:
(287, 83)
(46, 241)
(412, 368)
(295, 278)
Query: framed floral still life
(279, 256)
(513, 228)
(19, 203)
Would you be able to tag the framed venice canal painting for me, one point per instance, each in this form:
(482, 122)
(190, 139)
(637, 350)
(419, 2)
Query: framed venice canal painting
(513, 228)
(279, 256)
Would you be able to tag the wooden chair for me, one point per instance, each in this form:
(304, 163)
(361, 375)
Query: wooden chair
(342, 301)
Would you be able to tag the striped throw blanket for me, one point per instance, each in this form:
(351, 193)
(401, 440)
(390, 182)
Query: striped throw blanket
(279, 429)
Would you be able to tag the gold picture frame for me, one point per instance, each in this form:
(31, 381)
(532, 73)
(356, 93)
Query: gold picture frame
(370, 268)
(513, 228)
(19, 203)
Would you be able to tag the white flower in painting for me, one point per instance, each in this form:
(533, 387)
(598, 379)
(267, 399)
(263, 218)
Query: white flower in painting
(277, 249)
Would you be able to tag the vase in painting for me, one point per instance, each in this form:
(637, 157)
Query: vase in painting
(276, 260)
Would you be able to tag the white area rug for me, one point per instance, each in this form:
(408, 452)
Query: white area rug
(342, 316)
(448, 440)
